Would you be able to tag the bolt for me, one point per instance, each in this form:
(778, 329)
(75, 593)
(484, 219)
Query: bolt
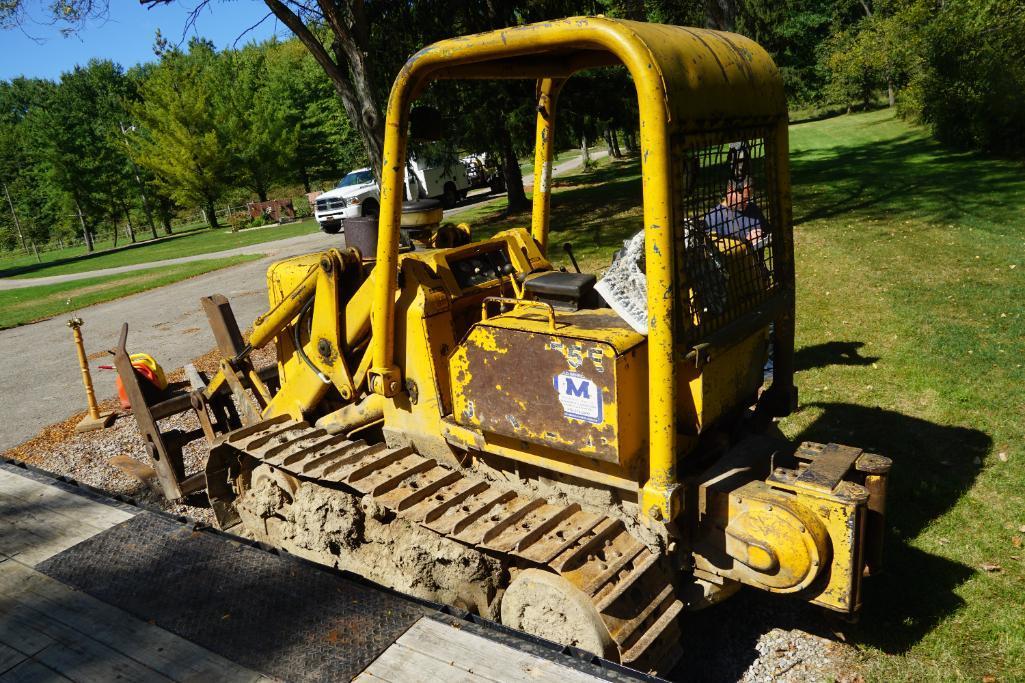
(393, 387)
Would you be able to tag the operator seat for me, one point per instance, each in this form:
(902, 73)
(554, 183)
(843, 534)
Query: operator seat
(564, 291)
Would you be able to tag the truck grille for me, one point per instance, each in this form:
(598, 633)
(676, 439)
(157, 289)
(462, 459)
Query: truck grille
(332, 204)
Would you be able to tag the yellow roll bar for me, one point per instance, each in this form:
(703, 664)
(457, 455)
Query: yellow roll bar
(680, 75)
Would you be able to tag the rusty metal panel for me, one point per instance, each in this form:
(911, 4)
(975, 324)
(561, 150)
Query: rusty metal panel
(562, 390)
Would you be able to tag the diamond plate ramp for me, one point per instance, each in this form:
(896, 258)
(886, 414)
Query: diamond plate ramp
(278, 616)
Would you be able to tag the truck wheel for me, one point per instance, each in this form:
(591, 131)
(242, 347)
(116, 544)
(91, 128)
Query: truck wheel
(370, 208)
(331, 228)
(451, 197)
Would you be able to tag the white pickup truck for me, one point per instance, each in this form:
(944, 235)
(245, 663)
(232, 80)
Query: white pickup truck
(358, 195)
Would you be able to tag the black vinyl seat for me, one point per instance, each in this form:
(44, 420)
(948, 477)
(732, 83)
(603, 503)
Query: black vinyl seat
(564, 291)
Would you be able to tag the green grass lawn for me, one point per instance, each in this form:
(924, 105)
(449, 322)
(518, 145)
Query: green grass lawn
(185, 243)
(911, 339)
(911, 342)
(29, 304)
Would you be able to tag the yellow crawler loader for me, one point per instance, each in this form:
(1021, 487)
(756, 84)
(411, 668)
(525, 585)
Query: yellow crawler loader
(583, 461)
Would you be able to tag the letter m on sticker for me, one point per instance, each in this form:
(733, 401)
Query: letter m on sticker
(580, 390)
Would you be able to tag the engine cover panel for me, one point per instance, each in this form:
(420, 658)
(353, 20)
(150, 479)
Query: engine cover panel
(581, 389)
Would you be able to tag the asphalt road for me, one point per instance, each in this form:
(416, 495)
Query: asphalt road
(40, 382)
(39, 377)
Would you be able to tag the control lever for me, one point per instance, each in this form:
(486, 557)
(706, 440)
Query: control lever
(568, 248)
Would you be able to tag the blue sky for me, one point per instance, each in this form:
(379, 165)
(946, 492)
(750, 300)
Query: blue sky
(126, 37)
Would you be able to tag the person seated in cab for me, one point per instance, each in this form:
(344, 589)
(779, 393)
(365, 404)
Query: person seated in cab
(737, 215)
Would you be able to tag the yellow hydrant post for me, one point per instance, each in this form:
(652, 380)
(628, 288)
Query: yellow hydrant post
(95, 419)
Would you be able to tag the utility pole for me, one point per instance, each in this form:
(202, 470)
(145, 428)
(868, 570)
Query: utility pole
(138, 180)
(17, 223)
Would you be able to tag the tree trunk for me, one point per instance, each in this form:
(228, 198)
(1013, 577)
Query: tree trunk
(614, 144)
(165, 216)
(513, 176)
(890, 98)
(346, 67)
(304, 175)
(585, 154)
(86, 236)
(211, 214)
(629, 140)
(129, 227)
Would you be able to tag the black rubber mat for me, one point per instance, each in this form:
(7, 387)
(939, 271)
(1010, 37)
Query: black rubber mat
(272, 614)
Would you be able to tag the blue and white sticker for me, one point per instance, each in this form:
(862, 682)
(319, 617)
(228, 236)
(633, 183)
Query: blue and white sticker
(580, 397)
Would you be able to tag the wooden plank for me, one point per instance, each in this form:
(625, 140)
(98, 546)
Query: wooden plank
(92, 512)
(399, 664)
(87, 661)
(38, 520)
(367, 677)
(10, 658)
(31, 671)
(483, 657)
(152, 646)
(34, 535)
(77, 656)
(19, 634)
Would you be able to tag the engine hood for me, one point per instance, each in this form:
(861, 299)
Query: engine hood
(347, 192)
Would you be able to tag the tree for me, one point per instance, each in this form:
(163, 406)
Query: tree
(344, 55)
(259, 120)
(326, 146)
(73, 131)
(184, 141)
(970, 80)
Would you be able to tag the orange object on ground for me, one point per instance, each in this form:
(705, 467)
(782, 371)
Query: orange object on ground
(156, 378)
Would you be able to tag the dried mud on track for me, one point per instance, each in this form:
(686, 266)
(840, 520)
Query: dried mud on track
(752, 637)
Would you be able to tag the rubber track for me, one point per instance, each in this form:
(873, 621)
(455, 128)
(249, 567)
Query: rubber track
(627, 582)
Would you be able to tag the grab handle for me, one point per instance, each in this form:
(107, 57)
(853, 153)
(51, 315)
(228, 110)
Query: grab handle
(502, 300)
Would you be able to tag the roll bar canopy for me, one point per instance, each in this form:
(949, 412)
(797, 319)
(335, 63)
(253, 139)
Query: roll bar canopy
(686, 80)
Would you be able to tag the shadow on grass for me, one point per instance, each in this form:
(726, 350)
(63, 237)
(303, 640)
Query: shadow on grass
(905, 176)
(831, 353)
(31, 268)
(932, 468)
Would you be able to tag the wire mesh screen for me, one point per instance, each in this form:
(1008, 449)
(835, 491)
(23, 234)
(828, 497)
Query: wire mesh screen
(726, 230)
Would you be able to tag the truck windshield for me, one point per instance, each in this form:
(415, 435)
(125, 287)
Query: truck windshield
(356, 178)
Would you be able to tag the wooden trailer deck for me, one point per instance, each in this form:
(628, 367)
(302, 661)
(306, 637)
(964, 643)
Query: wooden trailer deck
(93, 589)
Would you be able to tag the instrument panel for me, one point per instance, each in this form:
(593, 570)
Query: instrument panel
(477, 269)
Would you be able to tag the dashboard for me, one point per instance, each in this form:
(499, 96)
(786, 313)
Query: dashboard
(479, 268)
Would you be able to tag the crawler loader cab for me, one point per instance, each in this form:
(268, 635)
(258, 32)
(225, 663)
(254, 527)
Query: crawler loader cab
(594, 455)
